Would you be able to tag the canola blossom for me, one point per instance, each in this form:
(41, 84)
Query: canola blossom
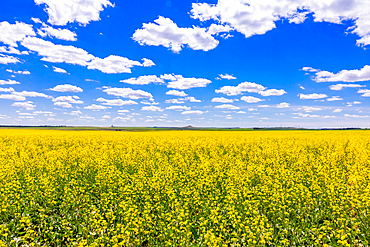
(184, 188)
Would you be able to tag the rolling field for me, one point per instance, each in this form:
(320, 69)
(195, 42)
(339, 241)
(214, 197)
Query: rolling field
(184, 188)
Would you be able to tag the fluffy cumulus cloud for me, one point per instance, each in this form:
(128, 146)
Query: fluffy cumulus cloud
(178, 108)
(113, 64)
(255, 17)
(251, 99)
(354, 75)
(151, 108)
(8, 82)
(8, 59)
(283, 105)
(28, 105)
(196, 112)
(116, 102)
(334, 98)
(166, 33)
(96, 107)
(222, 100)
(147, 62)
(67, 88)
(12, 50)
(127, 93)
(59, 33)
(364, 92)
(12, 33)
(62, 12)
(143, 80)
(272, 92)
(312, 96)
(226, 76)
(74, 55)
(227, 106)
(32, 94)
(68, 99)
(176, 93)
(180, 82)
(57, 53)
(12, 97)
(250, 87)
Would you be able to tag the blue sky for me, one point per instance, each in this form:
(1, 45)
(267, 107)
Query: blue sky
(226, 63)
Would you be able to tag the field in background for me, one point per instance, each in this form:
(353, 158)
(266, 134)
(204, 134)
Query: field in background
(184, 188)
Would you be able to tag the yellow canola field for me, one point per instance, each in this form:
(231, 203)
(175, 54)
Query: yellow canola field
(184, 188)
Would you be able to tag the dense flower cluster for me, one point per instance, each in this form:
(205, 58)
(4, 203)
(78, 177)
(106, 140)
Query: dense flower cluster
(184, 188)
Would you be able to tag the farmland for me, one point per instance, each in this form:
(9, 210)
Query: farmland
(184, 188)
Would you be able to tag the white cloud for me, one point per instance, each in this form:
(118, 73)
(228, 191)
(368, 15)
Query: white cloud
(283, 105)
(312, 96)
(264, 106)
(59, 33)
(113, 64)
(191, 99)
(62, 12)
(68, 99)
(216, 29)
(174, 101)
(127, 93)
(122, 111)
(252, 109)
(251, 99)
(227, 76)
(57, 53)
(272, 92)
(311, 109)
(12, 97)
(151, 108)
(310, 69)
(11, 33)
(227, 106)
(7, 90)
(176, 93)
(36, 20)
(365, 92)
(63, 104)
(337, 110)
(147, 62)
(250, 87)
(19, 72)
(96, 107)
(178, 108)
(106, 116)
(8, 82)
(355, 75)
(355, 116)
(143, 80)
(28, 105)
(8, 59)
(67, 88)
(306, 115)
(12, 50)
(166, 33)
(116, 102)
(334, 98)
(59, 70)
(197, 112)
(222, 100)
(254, 17)
(179, 82)
(32, 94)
(338, 87)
